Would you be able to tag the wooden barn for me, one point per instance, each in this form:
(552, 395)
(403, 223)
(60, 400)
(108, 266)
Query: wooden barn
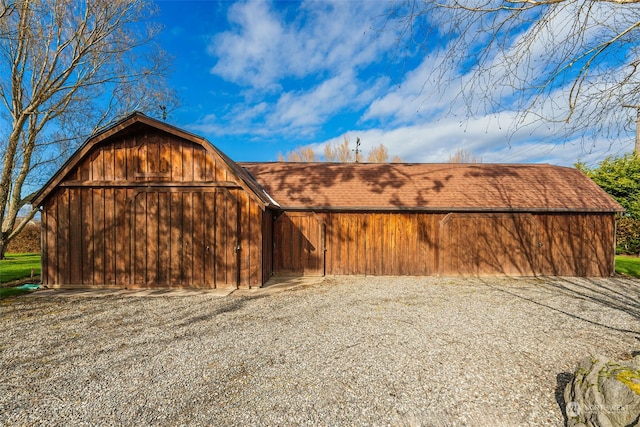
(143, 204)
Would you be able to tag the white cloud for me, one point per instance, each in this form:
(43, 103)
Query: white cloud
(293, 113)
(435, 111)
(266, 45)
(251, 53)
(417, 96)
(311, 108)
(436, 141)
(301, 65)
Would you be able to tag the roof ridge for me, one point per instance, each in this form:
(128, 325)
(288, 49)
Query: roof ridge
(276, 162)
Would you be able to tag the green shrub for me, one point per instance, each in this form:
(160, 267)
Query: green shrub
(628, 236)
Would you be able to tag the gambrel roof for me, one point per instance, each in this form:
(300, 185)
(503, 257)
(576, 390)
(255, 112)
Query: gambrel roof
(136, 122)
(431, 187)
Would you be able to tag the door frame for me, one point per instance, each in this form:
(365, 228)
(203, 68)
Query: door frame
(306, 246)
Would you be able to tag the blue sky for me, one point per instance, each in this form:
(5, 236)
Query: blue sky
(261, 78)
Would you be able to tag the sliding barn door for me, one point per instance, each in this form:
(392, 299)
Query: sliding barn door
(489, 244)
(299, 248)
(184, 239)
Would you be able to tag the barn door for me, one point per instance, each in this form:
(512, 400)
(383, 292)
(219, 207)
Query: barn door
(299, 249)
(489, 244)
(224, 239)
(184, 239)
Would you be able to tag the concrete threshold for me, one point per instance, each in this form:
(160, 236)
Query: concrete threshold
(279, 284)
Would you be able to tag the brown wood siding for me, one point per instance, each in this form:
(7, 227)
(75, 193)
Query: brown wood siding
(165, 239)
(151, 156)
(151, 210)
(299, 244)
(268, 219)
(469, 244)
(250, 250)
(577, 245)
(381, 243)
(489, 244)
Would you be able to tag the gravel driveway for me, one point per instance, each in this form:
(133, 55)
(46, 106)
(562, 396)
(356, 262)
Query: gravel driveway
(347, 351)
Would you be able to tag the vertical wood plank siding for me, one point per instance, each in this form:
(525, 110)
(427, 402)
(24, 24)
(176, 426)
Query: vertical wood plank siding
(299, 249)
(571, 244)
(381, 243)
(480, 244)
(117, 219)
(267, 244)
(577, 245)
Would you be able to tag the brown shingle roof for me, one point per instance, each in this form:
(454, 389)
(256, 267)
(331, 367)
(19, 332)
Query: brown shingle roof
(447, 187)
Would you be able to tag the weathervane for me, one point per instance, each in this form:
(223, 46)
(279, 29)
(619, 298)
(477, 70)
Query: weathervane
(357, 149)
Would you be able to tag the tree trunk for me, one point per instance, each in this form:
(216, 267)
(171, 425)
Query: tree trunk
(66, 65)
(3, 244)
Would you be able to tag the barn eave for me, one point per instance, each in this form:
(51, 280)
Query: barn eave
(478, 209)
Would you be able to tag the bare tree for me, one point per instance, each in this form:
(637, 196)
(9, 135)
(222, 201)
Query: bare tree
(378, 154)
(340, 153)
(331, 151)
(300, 154)
(573, 63)
(68, 67)
(463, 156)
(334, 152)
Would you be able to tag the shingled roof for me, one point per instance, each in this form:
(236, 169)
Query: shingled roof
(430, 187)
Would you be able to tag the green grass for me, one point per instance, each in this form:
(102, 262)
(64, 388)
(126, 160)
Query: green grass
(628, 265)
(18, 266)
(12, 292)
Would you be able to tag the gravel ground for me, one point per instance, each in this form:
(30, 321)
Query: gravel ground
(348, 351)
